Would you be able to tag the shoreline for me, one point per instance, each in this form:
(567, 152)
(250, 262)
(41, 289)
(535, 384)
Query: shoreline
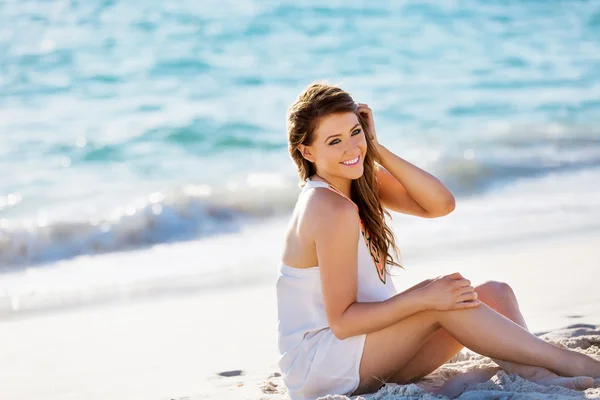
(196, 281)
(175, 347)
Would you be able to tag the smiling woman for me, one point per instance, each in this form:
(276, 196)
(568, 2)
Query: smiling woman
(343, 328)
(326, 129)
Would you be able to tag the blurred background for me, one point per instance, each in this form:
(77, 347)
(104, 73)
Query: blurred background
(143, 146)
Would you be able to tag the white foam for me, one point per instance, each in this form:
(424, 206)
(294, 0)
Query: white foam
(527, 209)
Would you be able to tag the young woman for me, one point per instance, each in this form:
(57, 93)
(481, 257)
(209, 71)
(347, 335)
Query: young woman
(343, 328)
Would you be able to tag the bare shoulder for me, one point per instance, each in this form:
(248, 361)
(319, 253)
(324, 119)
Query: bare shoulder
(329, 213)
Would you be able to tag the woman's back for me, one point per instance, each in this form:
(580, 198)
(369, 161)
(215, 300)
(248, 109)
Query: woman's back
(302, 322)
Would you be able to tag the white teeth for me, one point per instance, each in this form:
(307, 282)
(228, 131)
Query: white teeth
(353, 161)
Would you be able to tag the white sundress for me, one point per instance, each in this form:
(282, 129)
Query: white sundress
(313, 361)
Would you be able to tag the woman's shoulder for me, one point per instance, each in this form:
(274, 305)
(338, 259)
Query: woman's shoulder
(323, 208)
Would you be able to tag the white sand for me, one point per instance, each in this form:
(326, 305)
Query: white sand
(174, 348)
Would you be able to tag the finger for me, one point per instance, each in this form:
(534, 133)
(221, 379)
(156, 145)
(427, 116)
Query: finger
(467, 289)
(462, 282)
(455, 275)
(467, 304)
(463, 290)
(467, 297)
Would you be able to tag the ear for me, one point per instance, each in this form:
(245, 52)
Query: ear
(306, 152)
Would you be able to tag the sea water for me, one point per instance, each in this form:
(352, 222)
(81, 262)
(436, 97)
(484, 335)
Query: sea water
(130, 130)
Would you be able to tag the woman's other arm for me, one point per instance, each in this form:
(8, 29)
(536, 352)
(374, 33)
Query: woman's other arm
(405, 188)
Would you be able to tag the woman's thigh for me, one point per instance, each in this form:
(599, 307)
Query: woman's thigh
(387, 350)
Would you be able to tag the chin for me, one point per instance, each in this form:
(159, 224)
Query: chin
(359, 171)
(358, 176)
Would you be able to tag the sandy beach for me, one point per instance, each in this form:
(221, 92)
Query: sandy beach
(222, 344)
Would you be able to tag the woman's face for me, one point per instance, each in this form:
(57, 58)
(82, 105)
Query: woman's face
(339, 146)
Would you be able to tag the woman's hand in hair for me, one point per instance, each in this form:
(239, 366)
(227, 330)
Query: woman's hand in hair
(367, 114)
(450, 292)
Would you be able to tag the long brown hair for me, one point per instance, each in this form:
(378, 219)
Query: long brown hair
(319, 100)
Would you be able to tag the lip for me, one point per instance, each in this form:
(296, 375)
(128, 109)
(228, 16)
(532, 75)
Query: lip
(350, 165)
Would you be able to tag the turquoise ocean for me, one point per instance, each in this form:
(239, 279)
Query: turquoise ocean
(143, 144)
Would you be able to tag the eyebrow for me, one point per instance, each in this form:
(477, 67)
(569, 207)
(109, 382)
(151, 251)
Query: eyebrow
(339, 134)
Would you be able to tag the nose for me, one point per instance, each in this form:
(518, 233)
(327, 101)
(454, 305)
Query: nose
(352, 148)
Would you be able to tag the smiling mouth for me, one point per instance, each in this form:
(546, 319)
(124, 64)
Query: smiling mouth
(352, 162)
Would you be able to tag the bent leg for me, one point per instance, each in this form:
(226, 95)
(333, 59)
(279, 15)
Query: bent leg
(481, 329)
(487, 332)
(443, 346)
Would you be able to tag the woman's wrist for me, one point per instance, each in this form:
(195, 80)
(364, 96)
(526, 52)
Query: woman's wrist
(416, 299)
(423, 299)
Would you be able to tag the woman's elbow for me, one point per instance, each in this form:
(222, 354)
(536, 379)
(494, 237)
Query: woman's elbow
(338, 331)
(449, 205)
(445, 208)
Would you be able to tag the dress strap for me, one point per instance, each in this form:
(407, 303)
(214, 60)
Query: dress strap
(329, 186)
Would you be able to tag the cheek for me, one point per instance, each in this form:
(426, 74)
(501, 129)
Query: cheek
(363, 143)
(333, 155)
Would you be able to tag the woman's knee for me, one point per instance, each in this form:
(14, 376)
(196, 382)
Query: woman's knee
(495, 291)
(432, 318)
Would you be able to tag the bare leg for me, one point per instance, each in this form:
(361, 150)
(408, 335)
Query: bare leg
(481, 329)
(442, 346)
(486, 332)
(509, 307)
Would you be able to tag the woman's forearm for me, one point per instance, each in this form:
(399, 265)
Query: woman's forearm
(363, 317)
(424, 188)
